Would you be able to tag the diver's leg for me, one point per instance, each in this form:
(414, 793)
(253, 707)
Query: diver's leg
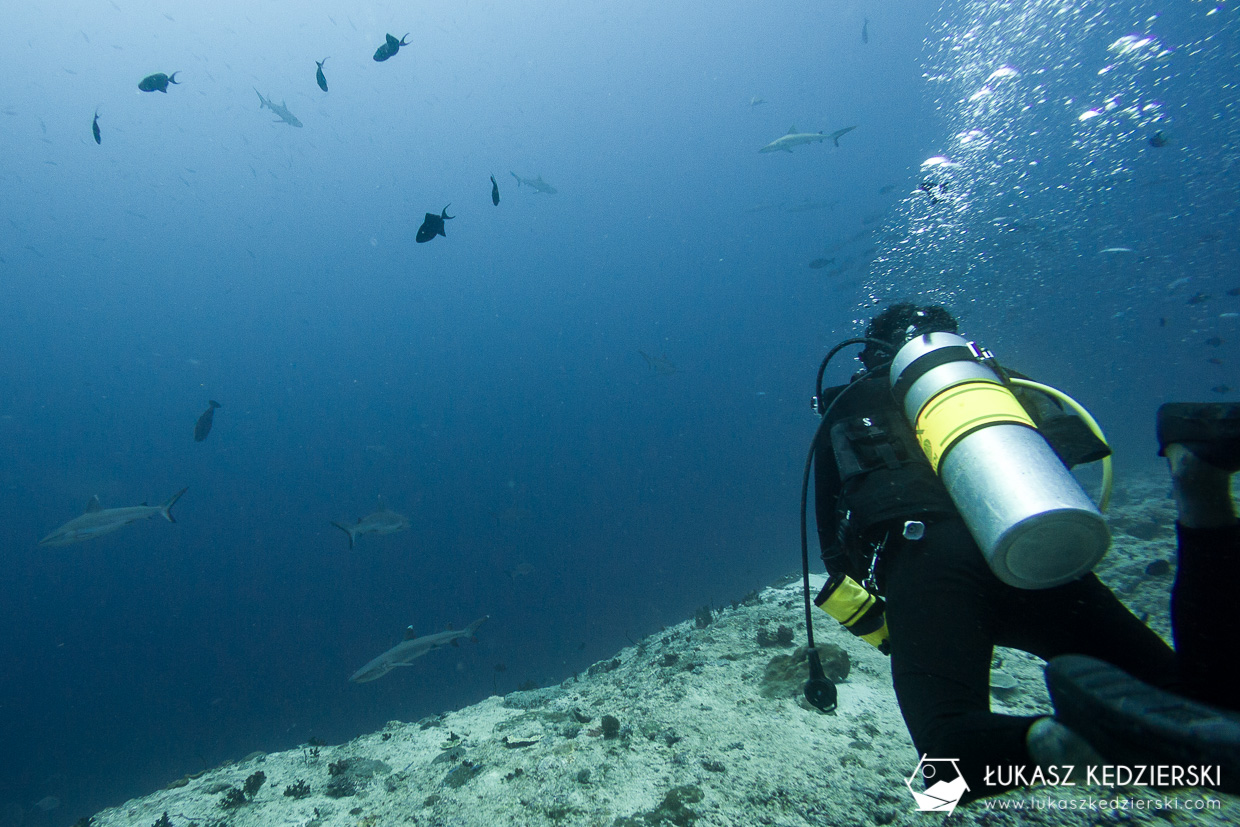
(940, 613)
(1134, 722)
(1084, 617)
(1203, 615)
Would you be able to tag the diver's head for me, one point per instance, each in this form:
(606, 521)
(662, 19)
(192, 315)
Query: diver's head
(898, 324)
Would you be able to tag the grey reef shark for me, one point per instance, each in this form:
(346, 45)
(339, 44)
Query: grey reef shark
(97, 521)
(381, 521)
(537, 183)
(794, 138)
(280, 110)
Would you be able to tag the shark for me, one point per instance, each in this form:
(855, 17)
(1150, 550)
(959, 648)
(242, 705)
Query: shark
(794, 138)
(280, 110)
(537, 183)
(97, 521)
(412, 647)
(381, 521)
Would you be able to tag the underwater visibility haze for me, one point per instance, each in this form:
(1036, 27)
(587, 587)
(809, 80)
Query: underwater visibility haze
(583, 409)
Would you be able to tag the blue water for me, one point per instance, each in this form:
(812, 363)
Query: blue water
(491, 384)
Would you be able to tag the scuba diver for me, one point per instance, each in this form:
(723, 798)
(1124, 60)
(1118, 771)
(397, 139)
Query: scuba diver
(966, 531)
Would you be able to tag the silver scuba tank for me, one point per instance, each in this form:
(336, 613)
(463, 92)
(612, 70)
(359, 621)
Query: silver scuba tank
(1033, 522)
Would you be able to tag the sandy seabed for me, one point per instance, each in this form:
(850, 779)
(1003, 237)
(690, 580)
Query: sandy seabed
(699, 724)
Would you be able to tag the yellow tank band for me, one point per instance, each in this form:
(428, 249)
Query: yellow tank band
(848, 602)
(962, 409)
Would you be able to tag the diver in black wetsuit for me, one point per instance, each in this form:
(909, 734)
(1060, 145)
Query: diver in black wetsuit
(886, 521)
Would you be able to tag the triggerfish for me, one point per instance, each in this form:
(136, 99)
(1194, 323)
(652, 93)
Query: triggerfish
(389, 48)
(158, 82)
(432, 226)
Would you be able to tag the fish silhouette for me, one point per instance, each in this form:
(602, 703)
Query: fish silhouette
(433, 226)
(390, 47)
(94, 128)
(203, 426)
(318, 74)
(494, 192)
(158, 82)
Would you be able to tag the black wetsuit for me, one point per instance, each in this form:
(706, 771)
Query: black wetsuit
(946, 610)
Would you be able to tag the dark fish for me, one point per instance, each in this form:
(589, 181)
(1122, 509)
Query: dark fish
(819, 263)
(1214, 360)
(1235, 291)
(158, 82)
(1220, 388)
(203, 426)
(1198, 298)
(390, 47)
(318, 74)
(1158, 139)
(1214, 341)
(1162, 321)
(433, 226)
(494, 192)
(94, 128)
(865, 31)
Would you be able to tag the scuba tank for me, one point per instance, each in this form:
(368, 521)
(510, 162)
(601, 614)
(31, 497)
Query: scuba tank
(1035, 525)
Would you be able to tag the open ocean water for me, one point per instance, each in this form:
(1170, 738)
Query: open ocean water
(590, 405)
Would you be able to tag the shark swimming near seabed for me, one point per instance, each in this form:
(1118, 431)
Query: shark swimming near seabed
(381, 521)
(794, 138)
(97, 521)
(280, 110)
(411, 648)
(537, 183)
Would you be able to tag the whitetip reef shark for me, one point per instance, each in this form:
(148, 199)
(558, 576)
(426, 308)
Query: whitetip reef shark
(403, 653)
(97, 521)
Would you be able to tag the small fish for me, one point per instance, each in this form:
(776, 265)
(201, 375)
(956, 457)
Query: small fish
(1221, 388)
(1198, 298)
(318, 74)
(886, 188)
(158, 82)
(1235, 291)
(94, 128)
(756, 101)
(1214, 360)
(865, 31)
(389, 48)
(1116, 250)
(1162, 321)
(203, 426)
(494, 192)
(1159, 139)
(1214, 341)
(433, 226)
(819, 263)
